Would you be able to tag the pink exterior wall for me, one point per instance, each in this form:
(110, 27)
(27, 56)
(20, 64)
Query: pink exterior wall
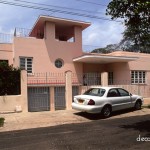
(46, 51)
(93, 68)
(141, 64)
(121, 72)
(6, 53)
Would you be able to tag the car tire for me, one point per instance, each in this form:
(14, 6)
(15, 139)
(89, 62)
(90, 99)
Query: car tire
(138, 105)
(106, 112)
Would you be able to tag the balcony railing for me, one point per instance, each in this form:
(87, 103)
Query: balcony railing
(22, 32)
(6, 38)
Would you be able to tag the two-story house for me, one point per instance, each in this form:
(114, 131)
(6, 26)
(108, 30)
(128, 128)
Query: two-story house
(54, 46)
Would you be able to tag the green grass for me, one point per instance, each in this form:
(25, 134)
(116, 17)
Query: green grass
(146, 106)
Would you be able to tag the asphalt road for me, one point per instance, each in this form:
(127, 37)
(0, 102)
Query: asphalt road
(98, 134)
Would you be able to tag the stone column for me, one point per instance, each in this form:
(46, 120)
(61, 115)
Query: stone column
(68, 88)
(52, 99)
(104, 78)
(24, 93)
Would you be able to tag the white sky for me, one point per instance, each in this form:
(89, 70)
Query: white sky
(99, 34)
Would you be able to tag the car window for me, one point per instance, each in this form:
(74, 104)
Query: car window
(123, 92)
(95, 92)
(113, 93)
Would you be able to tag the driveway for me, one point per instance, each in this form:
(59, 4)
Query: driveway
(19, 121)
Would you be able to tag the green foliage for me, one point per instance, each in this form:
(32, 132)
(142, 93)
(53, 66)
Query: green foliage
(2, 121)
(136, 16)
(108, 49)
(9, 79)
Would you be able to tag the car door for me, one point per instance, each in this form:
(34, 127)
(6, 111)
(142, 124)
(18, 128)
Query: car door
(113, 98)
(125, 98)
(119, 98)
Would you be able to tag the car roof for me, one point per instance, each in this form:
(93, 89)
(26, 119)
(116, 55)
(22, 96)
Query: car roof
(105, 87)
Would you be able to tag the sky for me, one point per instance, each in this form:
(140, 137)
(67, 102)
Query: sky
(100, 34)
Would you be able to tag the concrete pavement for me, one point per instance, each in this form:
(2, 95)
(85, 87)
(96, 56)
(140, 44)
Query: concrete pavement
(19, 121)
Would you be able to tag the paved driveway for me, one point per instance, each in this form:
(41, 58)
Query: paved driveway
(17, 121)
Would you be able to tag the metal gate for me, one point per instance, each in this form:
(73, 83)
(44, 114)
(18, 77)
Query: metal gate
(75, 91)
(38, 99)
(60, 101)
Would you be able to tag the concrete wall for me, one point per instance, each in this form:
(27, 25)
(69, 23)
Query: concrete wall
(6, 53)
(9, 103)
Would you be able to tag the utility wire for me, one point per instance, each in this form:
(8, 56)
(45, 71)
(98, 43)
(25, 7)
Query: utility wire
(92, 3)
(56, 10)
(59, 7)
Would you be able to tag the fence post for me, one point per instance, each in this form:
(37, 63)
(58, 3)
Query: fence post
(104, 78)
(24, 91)
(68, 89)
(52, 99)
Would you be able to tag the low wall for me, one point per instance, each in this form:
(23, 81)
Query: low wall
(11, 103)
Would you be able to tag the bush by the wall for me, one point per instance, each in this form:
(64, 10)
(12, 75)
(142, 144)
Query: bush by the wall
(9, 80)
(2, 122)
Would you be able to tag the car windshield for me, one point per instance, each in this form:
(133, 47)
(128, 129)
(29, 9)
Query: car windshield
(95, 92)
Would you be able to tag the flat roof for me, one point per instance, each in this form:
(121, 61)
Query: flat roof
(103, 59)
(59, 21)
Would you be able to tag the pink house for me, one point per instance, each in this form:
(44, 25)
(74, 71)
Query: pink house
(54, 46)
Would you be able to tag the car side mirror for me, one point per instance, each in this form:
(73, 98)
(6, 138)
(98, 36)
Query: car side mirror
(130, 94)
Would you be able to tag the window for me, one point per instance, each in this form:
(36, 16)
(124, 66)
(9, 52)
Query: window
(26, 64)
(113, 93)
(95, 92)
(59, 63)
(110, 78)
(138, 77)
(123, 92)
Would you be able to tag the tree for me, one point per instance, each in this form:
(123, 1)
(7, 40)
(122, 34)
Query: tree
(108, 49)
(136, 15)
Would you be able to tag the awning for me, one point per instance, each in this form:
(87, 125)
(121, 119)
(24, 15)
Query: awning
(103, 59)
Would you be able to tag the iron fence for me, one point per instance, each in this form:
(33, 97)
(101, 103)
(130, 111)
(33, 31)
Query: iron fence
(86, 79)
(48, 79)
(6, 38)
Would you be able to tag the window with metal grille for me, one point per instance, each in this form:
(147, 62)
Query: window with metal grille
(26, 64)
(138, 77)
(110, 78)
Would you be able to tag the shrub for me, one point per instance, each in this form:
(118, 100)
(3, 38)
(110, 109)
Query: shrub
(148, 106)
(9, 79)
(2, 122)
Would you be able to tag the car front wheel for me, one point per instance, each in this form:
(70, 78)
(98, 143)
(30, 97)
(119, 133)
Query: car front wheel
(106, 111)
(138, 105)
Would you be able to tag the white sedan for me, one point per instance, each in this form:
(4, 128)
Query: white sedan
(104, 100)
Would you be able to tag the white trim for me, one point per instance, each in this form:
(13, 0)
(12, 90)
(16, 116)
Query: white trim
(102, 58)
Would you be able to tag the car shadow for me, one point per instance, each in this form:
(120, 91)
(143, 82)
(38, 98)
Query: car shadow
(142, 126)
(99, 116)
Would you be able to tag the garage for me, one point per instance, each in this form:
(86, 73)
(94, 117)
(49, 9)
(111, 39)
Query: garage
(60, 101)
(38, 99)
